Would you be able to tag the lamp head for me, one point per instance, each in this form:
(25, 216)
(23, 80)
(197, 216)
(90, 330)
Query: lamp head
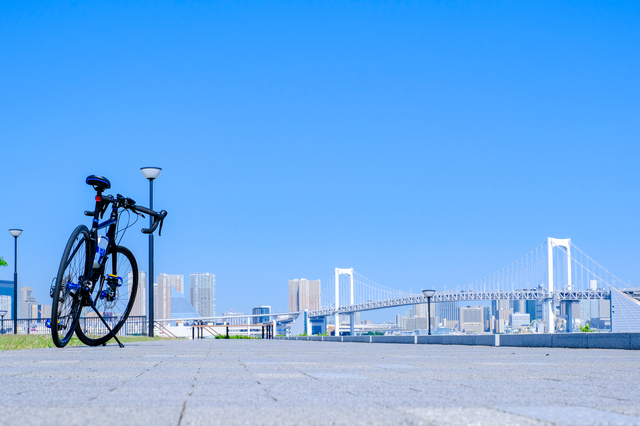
(428, 293)
(15, 232)
(150, 173)
(3, 313)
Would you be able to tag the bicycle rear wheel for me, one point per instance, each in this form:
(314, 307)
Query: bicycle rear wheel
(113, 295)
(65, 309)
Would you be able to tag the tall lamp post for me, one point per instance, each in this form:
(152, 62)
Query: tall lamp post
(15, 233)
(429, 294)
(150, 173)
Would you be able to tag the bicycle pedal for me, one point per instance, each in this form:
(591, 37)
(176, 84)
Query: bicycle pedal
(47, 323)
(114, 280)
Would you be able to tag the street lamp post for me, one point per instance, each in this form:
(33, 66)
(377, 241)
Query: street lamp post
(2, 314)
(429, 294)
(150, 173)
(15, 233)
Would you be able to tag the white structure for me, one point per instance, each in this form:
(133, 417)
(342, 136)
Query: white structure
(202, 292)
(139, 308)
(520, 320)
(339, 272)
(551, 243)
(5, 305)
(627, 313)
(304, 294)
(163, 293)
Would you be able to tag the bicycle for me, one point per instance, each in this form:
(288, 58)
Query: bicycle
(92, 271)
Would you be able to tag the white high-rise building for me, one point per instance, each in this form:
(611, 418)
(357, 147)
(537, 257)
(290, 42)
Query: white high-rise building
(304, 294)
(5, 305)
(139, 308)
(202, 289)
(163, 293)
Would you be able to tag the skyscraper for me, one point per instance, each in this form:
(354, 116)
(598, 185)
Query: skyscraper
(202, 288)
(447, 310)
(163, 295)
(140, 304)
(5, 305)
(26, 301)
(304, 294)
(471, 319)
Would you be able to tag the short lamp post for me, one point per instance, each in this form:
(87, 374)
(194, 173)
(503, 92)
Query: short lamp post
(150, 173)
(429, 294)
(2, 314)
(15, 233)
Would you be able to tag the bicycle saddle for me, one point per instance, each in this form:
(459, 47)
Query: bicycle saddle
(99, 183)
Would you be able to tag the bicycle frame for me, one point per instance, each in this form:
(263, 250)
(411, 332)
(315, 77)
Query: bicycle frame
(97, 273)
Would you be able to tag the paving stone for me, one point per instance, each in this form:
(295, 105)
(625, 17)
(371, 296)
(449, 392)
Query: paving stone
(304, 382)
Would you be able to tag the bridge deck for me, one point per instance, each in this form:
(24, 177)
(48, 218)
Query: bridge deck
(467, 296)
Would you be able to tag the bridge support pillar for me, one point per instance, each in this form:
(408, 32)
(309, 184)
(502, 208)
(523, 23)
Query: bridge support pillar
(352, 318)
(569, 309)
(551, 316)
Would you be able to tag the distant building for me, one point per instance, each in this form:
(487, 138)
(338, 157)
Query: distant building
(447, 310)
(26, 301)
(531, 309)
(202, 289)
(39, 311)
(5, 305)
(304, 294)
(487, 318)
(502, 305)
(6, 288)
(231, 318)
(418, 323)
(258, 310)
(520, 320)
(399, 320)
(420, 310)
(181, 308)
(471, 319)
(139, 308)
(163, 293)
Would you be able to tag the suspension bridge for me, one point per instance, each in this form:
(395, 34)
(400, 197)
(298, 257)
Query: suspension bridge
(554, 272)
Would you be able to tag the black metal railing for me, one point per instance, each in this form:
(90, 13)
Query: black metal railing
(92, 325)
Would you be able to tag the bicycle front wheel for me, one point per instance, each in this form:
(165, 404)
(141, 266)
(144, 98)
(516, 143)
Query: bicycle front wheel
(65, 309)
(113, 296)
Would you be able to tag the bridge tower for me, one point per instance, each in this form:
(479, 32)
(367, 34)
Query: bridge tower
(349, 272)
(551, 243)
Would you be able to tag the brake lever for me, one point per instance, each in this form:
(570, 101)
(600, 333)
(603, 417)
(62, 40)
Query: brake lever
(160, 230)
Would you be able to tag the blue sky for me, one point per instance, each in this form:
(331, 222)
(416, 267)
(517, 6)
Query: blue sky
(421, 143)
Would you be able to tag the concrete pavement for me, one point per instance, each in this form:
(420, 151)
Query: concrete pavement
(275, 382)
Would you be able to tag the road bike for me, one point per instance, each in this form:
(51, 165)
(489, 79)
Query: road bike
(94, 268)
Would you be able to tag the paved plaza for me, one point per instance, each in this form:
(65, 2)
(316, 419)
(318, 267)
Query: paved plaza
(274, 382)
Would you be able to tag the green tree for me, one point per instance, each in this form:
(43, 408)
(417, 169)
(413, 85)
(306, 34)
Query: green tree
(587, 328)
(2, 262)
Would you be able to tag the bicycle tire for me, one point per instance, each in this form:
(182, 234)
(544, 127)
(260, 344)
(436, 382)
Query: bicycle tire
(90, 330)
(66, 304)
